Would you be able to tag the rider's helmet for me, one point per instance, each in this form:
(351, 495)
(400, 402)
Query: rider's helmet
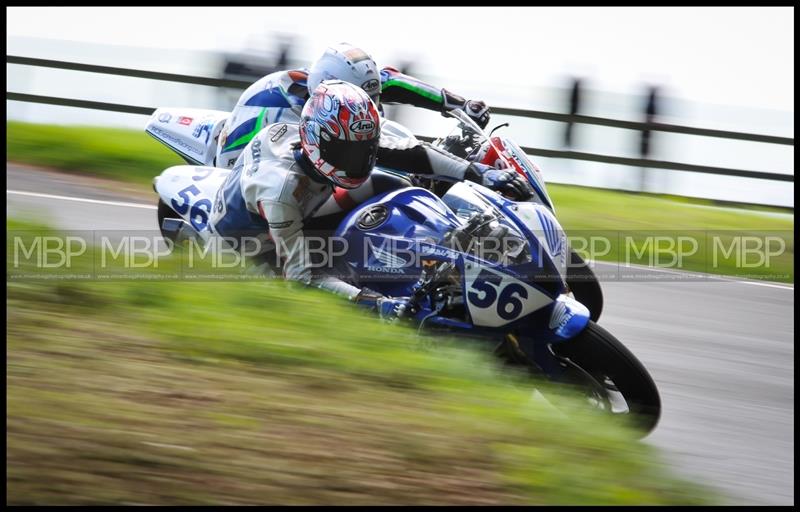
(346, 62)
(339, 132)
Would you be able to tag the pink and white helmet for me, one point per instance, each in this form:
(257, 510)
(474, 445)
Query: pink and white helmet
(339, 132)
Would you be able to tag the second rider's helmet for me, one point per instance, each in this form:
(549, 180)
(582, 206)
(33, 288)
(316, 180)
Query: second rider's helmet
(349, 63)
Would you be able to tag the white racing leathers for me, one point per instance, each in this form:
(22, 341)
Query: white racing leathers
(273, 190)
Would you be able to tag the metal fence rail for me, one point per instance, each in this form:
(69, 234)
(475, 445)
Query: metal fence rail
(67, 102)
(635, 125)
(137, 73)
(551, 116)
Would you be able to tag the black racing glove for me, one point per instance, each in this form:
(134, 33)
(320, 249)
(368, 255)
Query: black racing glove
(476, 109)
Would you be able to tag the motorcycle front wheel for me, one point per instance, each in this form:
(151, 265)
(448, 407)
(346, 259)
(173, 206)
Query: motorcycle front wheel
(610, 377)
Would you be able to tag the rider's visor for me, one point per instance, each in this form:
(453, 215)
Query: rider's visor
(355, 158)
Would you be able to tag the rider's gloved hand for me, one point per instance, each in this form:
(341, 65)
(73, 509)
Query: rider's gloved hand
(388, 308)
(476, 109)
(506, 181)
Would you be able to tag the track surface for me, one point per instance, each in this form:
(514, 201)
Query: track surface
(721, 352)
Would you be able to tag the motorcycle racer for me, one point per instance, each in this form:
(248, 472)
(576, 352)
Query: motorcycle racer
(280, 96)
(289, 171)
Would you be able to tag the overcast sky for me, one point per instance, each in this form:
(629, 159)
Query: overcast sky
(731, 55)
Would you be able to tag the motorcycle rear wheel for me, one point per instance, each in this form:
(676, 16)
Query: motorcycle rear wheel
(166, 212)
(604, 368)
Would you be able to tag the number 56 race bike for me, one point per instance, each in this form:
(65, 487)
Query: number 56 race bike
(475, 264)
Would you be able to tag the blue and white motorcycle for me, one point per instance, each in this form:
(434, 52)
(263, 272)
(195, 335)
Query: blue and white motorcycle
(474, 263)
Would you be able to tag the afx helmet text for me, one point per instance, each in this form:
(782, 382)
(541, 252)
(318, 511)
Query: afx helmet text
(339, 133)
(350, 64)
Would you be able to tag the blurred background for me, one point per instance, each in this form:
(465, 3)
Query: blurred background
(727, 69)
(146, 392)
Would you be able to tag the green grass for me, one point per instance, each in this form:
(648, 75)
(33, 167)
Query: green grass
(722, 236)
(122, 154)
(584, 212)
(256, 393)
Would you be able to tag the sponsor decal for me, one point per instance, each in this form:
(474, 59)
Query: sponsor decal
(205, 126)
(553, 235)
(560, 316)
(370, 86)
(431, 250)
(255, 151)
(385, 270)
(186, 121)
(281, 133)
(362, 126)
(164, 117)
(175, 141)
(231, 161)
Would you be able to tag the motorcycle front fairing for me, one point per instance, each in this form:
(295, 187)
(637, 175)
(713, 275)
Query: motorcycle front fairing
(395, 237)
(556, 318)
(384, 237)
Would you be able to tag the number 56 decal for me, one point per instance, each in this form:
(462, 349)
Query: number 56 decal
(495, 298)
(198, 211)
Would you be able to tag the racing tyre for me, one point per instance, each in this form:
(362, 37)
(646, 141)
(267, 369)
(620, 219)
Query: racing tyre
(611, 377)
(166, 212)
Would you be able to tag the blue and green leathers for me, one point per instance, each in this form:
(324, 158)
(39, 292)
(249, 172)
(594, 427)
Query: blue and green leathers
(280, 96)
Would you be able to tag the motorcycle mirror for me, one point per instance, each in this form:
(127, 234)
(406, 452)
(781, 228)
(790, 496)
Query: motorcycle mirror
(496, 127)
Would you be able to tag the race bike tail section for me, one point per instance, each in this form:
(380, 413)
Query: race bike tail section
(192, 133)
(186, 193)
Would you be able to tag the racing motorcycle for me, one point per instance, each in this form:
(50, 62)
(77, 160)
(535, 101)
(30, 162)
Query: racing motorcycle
(475, 264)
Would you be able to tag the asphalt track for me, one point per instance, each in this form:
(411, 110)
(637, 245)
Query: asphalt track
(720, 351)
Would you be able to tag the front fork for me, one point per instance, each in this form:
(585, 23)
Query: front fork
(568, 318)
